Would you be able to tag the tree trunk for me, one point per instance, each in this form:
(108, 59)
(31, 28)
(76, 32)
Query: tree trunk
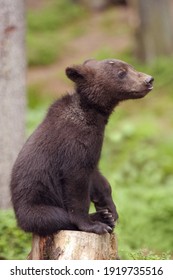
(154, 28)
(12, 89)
(74, 245)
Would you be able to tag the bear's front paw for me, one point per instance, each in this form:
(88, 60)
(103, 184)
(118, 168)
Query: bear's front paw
(101, 228)
(95, 227)
(104, 216)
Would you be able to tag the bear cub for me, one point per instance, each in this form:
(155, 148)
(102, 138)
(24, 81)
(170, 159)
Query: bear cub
(56, 175)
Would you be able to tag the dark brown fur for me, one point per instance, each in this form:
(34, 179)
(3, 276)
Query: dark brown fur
(55, 175)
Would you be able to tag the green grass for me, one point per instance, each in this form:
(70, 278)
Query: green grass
(37, 107)
(50, 30)
(138, 163)
(14, 243)
(56, 15)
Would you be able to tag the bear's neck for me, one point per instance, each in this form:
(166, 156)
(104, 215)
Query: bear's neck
(103, 111)
(86, 113)
(82, 113)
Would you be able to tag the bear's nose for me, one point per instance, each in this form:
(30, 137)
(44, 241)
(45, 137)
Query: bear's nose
(149, 81)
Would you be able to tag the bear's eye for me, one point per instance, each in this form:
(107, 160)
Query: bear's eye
(122, 74)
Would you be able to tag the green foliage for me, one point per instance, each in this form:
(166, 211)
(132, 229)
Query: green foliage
(54, 16)
(43, 49)
(14, 244)
(50, 29)
(148, 255)
(37, 107)
(138, 163)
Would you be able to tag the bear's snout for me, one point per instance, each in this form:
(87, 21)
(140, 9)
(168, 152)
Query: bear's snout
(149, 82)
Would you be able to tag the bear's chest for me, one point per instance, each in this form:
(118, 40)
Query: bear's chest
(78, 148)
(91, 145)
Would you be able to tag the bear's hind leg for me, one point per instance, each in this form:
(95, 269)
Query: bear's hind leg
(43, 219)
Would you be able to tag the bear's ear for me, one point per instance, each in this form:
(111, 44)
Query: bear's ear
(74, 73)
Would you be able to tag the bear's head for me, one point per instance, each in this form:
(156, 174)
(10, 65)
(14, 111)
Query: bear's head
(104, 83)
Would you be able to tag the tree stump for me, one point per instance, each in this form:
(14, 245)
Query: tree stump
(74, 245)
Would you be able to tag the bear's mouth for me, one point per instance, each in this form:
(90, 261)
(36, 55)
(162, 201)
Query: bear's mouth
(147, 90)
(142, 93)
(150, 88)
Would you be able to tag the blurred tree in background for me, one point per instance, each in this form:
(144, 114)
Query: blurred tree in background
(154, 28)
(12, 90)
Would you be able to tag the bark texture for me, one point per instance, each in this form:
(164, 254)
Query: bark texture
(74, 245)
(12, 89)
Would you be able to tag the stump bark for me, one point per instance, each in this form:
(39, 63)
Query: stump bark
(74, 245)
